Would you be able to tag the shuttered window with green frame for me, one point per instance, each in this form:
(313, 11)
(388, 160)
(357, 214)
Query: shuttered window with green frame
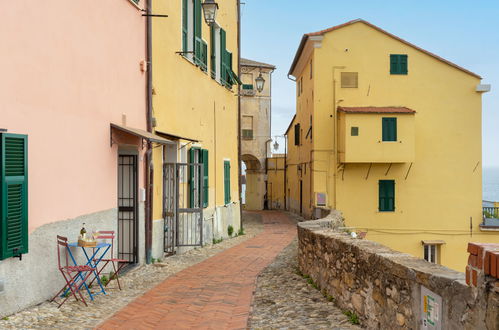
(196, 194)
(227, 197)
(398, 64)
(14, 195)
(213, 53)
(386, 196)
(185, 27)
(389, 129)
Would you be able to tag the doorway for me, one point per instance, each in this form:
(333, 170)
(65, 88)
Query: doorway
(127, 237)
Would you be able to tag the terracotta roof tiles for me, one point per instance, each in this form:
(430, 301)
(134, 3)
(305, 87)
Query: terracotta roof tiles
(370, 109)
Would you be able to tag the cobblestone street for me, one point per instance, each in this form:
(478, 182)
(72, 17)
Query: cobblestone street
(284, 300)
(215, 287)
(74, 315)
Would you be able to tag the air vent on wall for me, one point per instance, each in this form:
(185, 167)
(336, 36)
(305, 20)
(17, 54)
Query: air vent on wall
(349, 79)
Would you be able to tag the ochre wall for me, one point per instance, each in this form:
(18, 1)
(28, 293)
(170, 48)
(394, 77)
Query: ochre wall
(368, 146)
(275, 182)
(71, 69)
(441, 190)
(189, 103)
(299, 163)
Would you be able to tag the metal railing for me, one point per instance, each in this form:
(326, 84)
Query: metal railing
(491, 212)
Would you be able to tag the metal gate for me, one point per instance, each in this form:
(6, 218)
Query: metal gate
(127, 208)
(182, 205)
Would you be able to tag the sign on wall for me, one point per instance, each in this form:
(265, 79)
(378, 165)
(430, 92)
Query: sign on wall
(431, 309)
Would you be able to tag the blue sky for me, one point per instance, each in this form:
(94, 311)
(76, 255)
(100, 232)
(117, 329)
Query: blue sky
(464, 32)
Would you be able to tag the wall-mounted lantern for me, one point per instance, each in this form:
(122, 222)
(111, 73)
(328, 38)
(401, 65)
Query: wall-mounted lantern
(210, 8)
(260, 82)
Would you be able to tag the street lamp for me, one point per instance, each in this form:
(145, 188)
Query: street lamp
(276, 145)
(210, 8)
(260, 82)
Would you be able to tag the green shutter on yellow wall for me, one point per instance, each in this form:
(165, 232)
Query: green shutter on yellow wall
(14, 195)
(191, 177)
(398, 64)
(204, 161)
(386, 196)
(227, 197)
(389, 129)
(198, 41)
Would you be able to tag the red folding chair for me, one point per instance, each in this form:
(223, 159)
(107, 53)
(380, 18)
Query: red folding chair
(116, 262)
(75, 276)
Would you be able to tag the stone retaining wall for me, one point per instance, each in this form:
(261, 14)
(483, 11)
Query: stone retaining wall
(384, 287)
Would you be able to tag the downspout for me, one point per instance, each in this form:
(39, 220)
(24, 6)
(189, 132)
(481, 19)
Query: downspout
(239, 158)
(149, 165)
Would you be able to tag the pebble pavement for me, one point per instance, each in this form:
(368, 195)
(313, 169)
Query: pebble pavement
(74, 315)
(284, 300)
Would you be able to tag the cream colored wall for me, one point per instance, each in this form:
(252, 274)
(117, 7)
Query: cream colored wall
(189, 103)
(368, 146)
(258, 106)
(438, 193)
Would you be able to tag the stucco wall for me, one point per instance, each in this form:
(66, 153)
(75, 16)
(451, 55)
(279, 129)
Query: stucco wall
(383, 287)
(73, 68)
(438, 187)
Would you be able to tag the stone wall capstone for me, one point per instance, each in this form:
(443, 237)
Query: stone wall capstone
(383, 286)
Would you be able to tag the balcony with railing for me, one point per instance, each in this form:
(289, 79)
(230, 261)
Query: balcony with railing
(490, 218)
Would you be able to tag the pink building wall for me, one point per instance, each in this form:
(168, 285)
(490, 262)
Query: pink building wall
(68, 69)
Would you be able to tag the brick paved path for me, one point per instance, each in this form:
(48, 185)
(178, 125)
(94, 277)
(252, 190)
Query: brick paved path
(214, 294)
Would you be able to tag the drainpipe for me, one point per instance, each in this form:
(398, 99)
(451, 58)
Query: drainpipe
(149, 165)
(239, 158)
(335, 112)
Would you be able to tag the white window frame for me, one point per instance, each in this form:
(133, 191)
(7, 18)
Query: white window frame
(432, 251)
(190, 30)
(218, 57)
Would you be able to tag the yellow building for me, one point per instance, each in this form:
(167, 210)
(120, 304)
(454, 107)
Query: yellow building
(195, 105)
(390, 135)
(276, 190)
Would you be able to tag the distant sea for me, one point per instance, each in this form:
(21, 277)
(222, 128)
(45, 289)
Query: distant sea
(491, 184)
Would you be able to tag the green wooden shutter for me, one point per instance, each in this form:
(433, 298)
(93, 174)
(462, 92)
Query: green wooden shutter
(398, 64)
(213, 54)
(223, 56)
(184, 27)
(386, 195)
(192, 184)
(230, 78)
(389, 129)
(204, 158)
(403, 64)
(14, 195)
(394, 64)
(227, 196)
(198, 42)
(204, 56)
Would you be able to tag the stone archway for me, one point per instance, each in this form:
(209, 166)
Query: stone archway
(254, 192)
